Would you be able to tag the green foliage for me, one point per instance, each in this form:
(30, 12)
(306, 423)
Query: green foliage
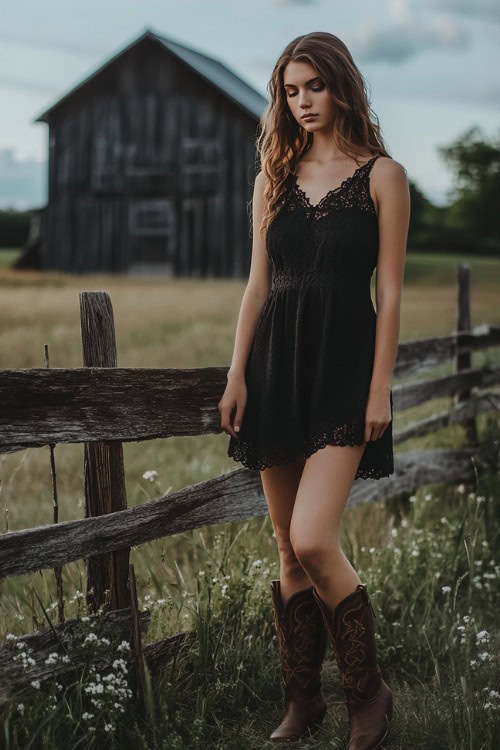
(14, 227)
(470, 223)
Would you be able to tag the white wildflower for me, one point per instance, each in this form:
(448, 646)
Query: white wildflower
(482, 637)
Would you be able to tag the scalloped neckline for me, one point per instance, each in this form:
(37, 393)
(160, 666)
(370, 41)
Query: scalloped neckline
(334, 190)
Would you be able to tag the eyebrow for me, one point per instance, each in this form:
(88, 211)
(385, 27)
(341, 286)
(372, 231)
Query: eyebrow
(309, 81)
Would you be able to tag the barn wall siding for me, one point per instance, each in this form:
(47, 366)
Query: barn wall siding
(150, 167)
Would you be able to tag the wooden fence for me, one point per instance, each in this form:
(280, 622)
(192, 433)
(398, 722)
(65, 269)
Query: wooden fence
(102, 405)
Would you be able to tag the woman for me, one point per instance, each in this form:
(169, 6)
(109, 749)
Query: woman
(308, 400)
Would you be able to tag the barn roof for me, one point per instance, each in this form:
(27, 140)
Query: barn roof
(209, 68)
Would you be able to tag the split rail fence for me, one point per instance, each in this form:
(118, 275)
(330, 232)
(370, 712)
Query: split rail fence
(102, 405)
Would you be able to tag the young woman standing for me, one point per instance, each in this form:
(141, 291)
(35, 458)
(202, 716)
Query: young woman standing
(308, 400)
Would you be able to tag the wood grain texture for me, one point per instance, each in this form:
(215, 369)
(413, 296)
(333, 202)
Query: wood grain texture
(104, 473)
(41, 406)
(235, 496)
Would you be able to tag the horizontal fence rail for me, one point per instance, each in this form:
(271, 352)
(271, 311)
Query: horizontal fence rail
(42, 406)
(235, 496)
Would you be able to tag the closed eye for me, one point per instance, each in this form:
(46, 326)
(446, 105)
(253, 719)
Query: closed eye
(313, 88)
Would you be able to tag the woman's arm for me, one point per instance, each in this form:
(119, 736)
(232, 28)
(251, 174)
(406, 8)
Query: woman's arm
(392, 193)
(257, 289)
(259, 281)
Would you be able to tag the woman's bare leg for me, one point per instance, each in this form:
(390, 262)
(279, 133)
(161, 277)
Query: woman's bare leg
(280, 485)
(321, 497)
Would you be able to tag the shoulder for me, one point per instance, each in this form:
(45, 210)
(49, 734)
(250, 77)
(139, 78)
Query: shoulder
(260, 182)
(387, 172)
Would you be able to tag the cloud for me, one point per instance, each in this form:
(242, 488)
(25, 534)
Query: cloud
(484, 10)
(293, 2)
(68, 48)
(14, 83)
(408, 35)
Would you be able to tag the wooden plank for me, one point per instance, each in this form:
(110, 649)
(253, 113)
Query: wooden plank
(420, 356)
(460, 413)
(41, 406)
(235, 496)
(409, 395)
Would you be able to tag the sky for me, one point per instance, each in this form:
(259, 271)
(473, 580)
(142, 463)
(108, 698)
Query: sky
(431, 66)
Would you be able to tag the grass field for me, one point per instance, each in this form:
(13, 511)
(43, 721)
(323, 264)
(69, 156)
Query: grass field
(230, 691)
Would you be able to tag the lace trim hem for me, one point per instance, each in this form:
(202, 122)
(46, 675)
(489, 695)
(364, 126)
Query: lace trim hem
(243, 451)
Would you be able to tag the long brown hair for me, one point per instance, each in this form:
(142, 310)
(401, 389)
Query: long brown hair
(281, 141)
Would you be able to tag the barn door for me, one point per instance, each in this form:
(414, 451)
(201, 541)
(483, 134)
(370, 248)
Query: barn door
(151, 227)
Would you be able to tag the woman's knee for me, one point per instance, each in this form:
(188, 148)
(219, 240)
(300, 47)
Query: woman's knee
(285, 548)
(314, 556)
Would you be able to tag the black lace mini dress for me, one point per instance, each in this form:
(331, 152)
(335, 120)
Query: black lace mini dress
(310, 364)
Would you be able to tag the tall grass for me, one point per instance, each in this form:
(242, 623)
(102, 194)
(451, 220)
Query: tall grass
(430, 560)
(433, 572)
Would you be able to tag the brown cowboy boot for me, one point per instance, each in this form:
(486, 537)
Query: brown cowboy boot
(369, 699)
(302, 640)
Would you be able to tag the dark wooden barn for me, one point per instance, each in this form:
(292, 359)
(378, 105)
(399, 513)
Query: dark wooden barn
(151, 167)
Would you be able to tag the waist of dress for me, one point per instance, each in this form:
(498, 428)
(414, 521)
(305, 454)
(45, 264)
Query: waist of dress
(282, 280)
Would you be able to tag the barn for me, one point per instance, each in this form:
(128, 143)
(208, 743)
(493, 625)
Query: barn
(151, 167)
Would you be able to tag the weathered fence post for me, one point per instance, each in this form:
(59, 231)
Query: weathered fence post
(103, 461)
(463, 359)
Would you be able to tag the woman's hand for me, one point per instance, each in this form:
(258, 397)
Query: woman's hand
(234, 397)
(378, 412)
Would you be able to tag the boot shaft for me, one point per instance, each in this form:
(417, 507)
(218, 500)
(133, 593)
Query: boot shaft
(302, 639)
(351, 629)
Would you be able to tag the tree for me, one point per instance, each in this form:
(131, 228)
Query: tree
(476, 195)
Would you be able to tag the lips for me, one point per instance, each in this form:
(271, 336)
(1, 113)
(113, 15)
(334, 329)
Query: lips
(308, 117)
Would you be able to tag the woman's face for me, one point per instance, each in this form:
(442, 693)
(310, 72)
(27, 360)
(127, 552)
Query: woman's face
(306, 92)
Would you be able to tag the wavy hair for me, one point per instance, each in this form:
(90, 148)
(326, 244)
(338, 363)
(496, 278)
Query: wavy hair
(281, 141)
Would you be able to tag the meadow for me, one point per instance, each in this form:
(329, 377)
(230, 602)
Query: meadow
(430, 558)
